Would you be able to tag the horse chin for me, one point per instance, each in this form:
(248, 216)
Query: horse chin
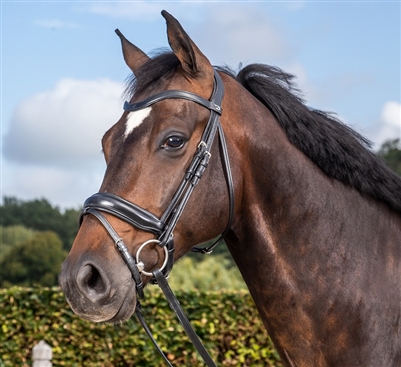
(126, 309)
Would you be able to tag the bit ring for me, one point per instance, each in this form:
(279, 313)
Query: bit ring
(141, 265)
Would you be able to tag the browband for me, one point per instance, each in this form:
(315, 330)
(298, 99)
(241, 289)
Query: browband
(172, 94)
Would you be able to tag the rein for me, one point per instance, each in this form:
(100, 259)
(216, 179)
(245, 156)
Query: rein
(164, 226)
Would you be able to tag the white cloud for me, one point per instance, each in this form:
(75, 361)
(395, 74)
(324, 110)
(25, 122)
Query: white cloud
(390, 123)
(65, 188)
(391, 115)
(62, 127)
(53, 149)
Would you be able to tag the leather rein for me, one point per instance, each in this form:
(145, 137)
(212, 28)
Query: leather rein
(163, 227)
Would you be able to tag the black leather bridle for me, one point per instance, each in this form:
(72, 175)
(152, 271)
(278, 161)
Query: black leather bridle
(163, 227)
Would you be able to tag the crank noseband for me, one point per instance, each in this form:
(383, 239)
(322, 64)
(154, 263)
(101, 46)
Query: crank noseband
(144, 220)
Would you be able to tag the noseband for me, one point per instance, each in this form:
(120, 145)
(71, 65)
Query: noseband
(163, 227)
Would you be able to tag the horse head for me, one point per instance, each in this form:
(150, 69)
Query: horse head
(155, 155)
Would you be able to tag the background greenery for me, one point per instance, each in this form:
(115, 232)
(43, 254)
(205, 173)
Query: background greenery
(226, 321)
(390, 151)
(36, 237)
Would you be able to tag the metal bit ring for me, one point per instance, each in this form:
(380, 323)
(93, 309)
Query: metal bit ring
(141, 265)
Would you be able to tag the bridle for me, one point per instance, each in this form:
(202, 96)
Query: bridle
(163, 227)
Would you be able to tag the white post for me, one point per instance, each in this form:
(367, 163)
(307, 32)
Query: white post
(42, 355)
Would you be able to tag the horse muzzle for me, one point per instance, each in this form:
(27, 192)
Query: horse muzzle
(96, 292)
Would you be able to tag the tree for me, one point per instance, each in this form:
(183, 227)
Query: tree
(69, 228)
(390, 151)
(36, 261)
(40, 215)
(11, 236)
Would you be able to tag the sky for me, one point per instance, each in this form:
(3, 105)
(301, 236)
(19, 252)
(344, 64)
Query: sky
(62, 73)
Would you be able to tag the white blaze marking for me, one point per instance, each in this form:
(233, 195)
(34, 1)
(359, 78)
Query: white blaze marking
(134, 119)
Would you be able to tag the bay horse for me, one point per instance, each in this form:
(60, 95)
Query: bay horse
(311, 216)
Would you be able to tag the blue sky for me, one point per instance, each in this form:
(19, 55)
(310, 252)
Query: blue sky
(62, 73)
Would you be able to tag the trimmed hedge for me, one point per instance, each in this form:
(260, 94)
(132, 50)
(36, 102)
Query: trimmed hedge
(227, 323)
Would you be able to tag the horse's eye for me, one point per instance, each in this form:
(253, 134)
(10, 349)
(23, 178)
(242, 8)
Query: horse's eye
(173, 142)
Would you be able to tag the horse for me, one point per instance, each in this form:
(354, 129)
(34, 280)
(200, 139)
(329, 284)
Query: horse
(310, 215)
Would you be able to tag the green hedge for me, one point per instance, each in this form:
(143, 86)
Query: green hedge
(227, 322)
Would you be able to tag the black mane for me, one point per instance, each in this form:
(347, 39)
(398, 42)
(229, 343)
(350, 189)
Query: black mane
(335, 148)
(339, 151)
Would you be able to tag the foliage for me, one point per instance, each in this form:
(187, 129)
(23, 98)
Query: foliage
(390, 151)
(40, 215)
(11, 236)
(227, 322)
(35, 261)
(213, 273)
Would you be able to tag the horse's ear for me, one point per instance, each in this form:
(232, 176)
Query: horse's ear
(133, 56)
(193, 61)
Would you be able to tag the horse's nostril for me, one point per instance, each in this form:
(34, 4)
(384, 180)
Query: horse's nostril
(95, 280)
(91, 282)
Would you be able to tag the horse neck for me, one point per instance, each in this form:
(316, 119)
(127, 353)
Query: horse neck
(282, 236)
(275, 188)
(278, 182)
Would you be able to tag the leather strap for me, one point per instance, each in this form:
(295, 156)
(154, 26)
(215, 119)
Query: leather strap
(176, 307)
(173, 94)
(138, 313)
(230, 187)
